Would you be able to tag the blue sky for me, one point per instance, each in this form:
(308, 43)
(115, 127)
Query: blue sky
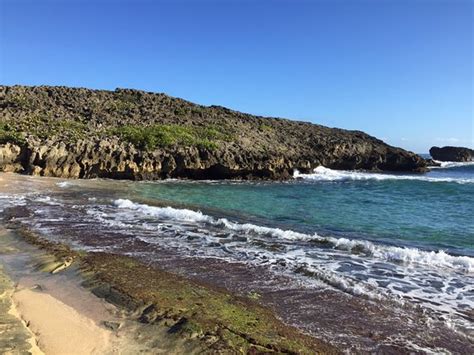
(401, 70)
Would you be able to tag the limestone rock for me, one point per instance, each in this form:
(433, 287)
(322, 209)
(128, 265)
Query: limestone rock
(69, 134)
(10, 158)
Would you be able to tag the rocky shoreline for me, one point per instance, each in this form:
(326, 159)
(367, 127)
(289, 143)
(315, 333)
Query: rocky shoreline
(131, 134)
(174, 312)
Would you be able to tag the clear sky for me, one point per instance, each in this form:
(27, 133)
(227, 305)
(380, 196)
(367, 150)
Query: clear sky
(401, 70)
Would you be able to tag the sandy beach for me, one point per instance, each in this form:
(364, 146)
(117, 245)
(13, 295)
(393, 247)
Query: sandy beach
(42, 321)
(107, 290)
(50, 313)
(60, 301)
(44, 309)
(236, 177)
(15, 335)
(60, 329)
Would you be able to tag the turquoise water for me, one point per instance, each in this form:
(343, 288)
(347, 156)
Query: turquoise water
(432, 211)
(393, 238)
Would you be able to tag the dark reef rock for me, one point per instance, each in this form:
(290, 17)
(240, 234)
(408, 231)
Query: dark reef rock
(448, 153)
(72, 133)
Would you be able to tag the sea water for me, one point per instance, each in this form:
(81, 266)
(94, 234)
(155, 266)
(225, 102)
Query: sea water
(406, 238)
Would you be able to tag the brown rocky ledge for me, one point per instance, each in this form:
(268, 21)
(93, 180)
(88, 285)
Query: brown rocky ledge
(130, 134)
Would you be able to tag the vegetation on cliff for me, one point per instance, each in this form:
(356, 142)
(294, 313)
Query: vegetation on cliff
(9, 134)
(159, 136)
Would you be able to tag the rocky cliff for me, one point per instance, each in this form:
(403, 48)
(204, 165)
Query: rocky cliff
(448, 153)
(130, 134)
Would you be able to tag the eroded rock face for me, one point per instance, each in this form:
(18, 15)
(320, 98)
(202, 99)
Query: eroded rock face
(11, 158)
(67, 134)
(111, 158)
(448, 153)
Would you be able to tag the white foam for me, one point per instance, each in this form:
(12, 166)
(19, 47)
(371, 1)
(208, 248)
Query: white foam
(325, 174)
(435, 280)
(432, 258)
(403, 254)
(407, 271)
(8, 200)
(47, 200)
(164, 212)
(383, 252)
(451, 164)
(64, 184)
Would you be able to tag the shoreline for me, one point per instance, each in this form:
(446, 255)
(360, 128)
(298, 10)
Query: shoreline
(51, 313)
(218, 321)
(16, 336)
(346, 321)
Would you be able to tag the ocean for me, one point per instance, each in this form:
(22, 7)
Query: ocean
(320, 250)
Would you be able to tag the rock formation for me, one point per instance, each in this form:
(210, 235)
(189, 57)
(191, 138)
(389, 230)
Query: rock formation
(130, 134)
(448, 153)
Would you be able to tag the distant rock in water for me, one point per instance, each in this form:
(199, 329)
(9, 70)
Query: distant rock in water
(459, 154)
(131, 134)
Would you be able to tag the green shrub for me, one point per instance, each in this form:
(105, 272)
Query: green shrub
(43, 127)
(72, 129)
(10, 135)
(21, 101)
(197, 111)
(160, 135)
(207, 144)
(265, 128)
(180, 111)
(120, 106)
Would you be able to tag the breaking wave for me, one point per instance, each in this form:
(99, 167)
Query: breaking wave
(325, 174)
(452, 164)
(395, 254)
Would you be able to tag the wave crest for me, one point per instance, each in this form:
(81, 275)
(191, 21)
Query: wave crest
(325, 174)
(451, 164)
(403, 255)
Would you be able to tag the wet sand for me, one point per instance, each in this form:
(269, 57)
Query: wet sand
(15, 336)
(53, 326)
(59, 312)
(353, 324)
(60, 329)
(46, 313)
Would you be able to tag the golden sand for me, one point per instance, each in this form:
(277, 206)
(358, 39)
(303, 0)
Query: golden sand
(59, 328)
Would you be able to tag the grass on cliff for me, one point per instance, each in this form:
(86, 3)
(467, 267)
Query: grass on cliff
(8, 134)
(43, 127)
(143, 137)
(159, 135)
